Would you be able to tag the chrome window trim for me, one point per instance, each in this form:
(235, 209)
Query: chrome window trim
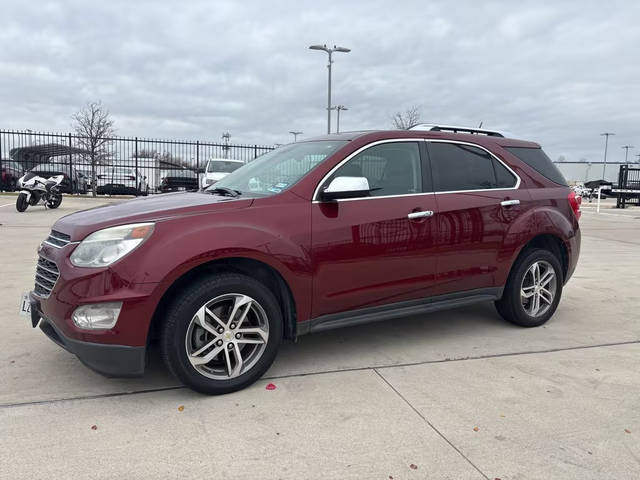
(315, 198)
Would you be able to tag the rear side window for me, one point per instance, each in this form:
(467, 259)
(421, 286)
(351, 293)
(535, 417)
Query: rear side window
(459, 167)
(538, 160)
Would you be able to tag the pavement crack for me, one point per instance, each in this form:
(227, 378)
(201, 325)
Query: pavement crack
(324, 372)
(431, 425)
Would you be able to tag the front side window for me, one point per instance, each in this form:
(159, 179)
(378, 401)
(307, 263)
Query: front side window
(459, 167)
(390, 168)
(277, 170)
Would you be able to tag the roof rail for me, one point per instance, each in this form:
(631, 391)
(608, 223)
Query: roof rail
(452, 128)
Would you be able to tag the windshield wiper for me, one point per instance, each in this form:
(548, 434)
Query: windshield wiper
(225, 191)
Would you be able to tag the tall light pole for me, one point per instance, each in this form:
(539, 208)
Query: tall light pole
(295, 135)
(226, 136)
(329, 51)
(338, 108)
(606, 136)
(626, 152)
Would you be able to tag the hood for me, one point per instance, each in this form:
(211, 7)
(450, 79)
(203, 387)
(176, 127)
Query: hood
(145, 209)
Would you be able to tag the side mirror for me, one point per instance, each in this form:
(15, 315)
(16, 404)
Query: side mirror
(346, 187)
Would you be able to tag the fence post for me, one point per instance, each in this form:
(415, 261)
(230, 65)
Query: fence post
(138, 183)
(198, 163)
(255, 152)
(5, 186)
(71, 168)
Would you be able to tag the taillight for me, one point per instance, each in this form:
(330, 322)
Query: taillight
(575, 201)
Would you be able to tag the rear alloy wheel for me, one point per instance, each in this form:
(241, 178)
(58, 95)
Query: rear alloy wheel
(222, 333)
(533, 290)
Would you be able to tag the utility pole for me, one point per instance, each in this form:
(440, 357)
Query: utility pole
(626, 152)
(329, 51)
(226, 136)
(338, 108)
(295, 135)
(606, 136)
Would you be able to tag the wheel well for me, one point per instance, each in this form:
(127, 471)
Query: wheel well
(260, 271)
(553, 244)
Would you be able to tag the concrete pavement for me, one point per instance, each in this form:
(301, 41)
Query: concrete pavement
(368, 402)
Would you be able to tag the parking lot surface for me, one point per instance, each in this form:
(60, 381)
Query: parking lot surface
(450, 395)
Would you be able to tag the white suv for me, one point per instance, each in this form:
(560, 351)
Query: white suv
(218, 168)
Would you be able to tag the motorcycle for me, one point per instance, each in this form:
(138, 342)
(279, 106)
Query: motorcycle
(34, 189)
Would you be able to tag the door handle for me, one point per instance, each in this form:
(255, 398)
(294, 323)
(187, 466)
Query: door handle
(509, 203)
(414, 215)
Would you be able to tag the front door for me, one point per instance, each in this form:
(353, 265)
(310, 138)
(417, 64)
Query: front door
(377, 249)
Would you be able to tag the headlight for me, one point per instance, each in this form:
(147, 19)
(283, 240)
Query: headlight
(102, 248)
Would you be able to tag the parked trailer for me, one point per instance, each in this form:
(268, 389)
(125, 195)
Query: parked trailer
(628, 189)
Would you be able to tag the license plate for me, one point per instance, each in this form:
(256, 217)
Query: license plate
(25, 305)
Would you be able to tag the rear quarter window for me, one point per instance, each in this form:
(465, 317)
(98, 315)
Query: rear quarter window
(538, 160)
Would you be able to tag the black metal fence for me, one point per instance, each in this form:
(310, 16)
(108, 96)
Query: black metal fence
(628, 190)
(121, 165)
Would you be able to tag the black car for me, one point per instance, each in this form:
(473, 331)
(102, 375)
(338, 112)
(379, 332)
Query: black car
(178, 180)
(10, 172)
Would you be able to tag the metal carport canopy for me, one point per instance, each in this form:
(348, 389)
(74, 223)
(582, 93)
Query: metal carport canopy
(47, 150)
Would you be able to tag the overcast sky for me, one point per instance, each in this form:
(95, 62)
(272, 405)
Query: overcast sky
(559, 73)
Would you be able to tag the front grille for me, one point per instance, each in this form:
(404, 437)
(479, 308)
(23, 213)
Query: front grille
(58, 239)
(47, 274)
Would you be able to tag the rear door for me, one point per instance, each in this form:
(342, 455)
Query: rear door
(368, 251)
(478, 198)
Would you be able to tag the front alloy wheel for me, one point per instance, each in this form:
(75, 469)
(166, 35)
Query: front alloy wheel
(221, 333)
(227, 336)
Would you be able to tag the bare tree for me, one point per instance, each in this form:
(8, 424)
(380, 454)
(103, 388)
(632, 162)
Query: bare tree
(94, 128)
(407, 119)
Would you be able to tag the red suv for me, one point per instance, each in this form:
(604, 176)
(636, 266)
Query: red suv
(334, 231)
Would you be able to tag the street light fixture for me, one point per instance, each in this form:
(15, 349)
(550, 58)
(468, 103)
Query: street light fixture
(338, 108)
(606, 136)
(626, 153)
(295, 135)
(329, 51)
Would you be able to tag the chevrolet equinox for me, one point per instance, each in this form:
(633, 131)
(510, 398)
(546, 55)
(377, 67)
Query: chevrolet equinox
(334, 231)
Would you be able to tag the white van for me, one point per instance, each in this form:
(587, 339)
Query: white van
(218, 168)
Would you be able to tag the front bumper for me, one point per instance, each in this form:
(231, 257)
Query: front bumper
(108, 359)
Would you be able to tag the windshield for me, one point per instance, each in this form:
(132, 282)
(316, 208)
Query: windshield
(222, 166)
(277, 170)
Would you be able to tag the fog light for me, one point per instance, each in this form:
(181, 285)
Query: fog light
(98, 316)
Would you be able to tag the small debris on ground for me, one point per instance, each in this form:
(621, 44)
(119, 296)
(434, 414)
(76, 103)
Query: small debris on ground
(181, 408)
(413, 467)
(94, 427)
(270, 386)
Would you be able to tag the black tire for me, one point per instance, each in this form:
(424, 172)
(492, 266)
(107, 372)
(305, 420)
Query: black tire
(55, 201)
(510, 306)
(21, 202)
(180, 313)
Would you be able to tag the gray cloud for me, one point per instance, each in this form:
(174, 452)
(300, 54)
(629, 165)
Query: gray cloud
(556, 73)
